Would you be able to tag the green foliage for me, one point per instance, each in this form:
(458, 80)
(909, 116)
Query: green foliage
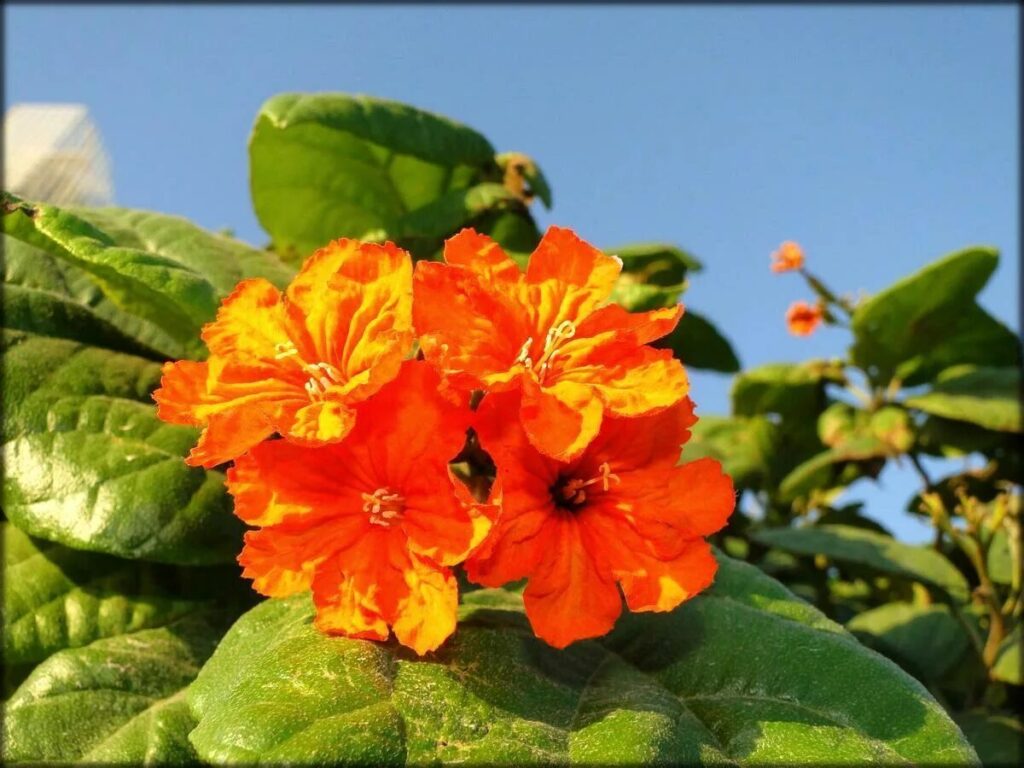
(162, 270)
(733, 676)
(57, 598)
(112, 542)
(878, 552)
(988, 397)
(47, 296)
(999, 737)
(332, 165)
(88, 464)
(930, 321)
(926, 639)
(116, 700)
(699, 344)
(789, 391)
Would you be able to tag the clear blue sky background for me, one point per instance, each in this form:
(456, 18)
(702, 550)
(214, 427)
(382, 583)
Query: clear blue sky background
(880, 138)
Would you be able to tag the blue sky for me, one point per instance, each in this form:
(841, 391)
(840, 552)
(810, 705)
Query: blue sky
(880, 138)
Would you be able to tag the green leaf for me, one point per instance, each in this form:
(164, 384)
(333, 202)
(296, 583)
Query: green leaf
(834, 469)
(744, 446)
(1000, 560)
(1007, 665)
(117, 700)
(699, 344)
(987, 397)
(88, 464)
(929, 321)
(330, 165)
(794, 391)
(660, 264)
(733, 675)
(846, 544)
(49, 297)
(853, 433)
(955, 439)
(57, 598)
(924, 639)
(997, 736)
(164, 272)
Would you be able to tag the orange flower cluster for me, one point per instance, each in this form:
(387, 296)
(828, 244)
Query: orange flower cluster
(356, 500)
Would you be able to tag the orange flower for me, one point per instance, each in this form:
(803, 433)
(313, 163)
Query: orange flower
(622, 512)
(803, 318)
(548, 332)
(372, 523)
(295, 363)
(790, 256)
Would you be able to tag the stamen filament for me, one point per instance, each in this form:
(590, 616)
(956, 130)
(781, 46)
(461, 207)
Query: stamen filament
(574, 492)
(383, 506)
(555, 336)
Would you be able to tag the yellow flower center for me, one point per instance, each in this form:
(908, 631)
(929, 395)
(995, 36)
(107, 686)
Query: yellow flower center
(556, 336)
(383, 506)
(573, 491)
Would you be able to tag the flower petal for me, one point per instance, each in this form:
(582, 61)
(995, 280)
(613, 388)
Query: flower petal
(469, 329)
(646, 442)
(182, 388)
(426, 617)
(249, 325)
(277, 480)
(643, 327)
(562, 419)
(325, 421)
(227, 436)
(568, 598)
(562, 256)
(276, 563)
(480, 254)
(630, 380)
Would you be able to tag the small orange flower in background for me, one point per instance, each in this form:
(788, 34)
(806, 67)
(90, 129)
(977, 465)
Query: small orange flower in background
(789, 257)
(371, 524)
(803, 318)
(548, 332)
(622, 512)
(295, 363)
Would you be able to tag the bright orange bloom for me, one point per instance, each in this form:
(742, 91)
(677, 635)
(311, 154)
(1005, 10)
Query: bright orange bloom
(295, 363)
(790, 256)
(549, 333)
(803, 318)
(622, 512)
(372, 523)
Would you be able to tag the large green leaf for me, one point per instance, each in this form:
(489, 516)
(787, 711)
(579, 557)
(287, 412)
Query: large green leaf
(88, 464)
(164, 274)
(117, 700)
(987, 397)
(57, 598)
(846, 544)
(924, 639)
(745, 674)
(997, 736)
(929, 321)
(332, 165)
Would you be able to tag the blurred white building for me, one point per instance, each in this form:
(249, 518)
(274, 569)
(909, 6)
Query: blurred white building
(53, 154)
